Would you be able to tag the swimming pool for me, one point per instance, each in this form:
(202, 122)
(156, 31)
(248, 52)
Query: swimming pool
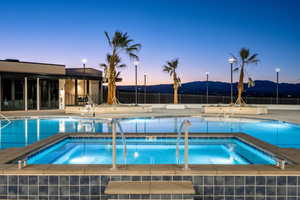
(23, 132)
(229, 151)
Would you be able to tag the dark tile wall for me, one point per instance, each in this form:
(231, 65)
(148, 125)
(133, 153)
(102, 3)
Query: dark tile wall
(206, 187)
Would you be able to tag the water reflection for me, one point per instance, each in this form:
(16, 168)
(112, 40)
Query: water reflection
(24, 132)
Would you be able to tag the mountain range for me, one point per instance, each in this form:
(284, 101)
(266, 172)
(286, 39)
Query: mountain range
(261, 89)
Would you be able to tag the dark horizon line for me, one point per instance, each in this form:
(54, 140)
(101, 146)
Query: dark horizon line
(226, 82)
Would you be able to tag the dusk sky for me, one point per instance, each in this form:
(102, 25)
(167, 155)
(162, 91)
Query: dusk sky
(202, 34)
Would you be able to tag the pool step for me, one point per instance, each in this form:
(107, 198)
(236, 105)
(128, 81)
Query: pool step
(150, 187)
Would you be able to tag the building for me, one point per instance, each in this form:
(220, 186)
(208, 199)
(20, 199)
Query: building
(40, 86)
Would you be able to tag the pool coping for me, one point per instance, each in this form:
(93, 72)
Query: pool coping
(9, 155)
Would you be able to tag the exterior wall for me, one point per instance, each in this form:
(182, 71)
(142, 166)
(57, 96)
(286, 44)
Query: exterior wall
(94, 91)
(62, 93)
(23, 67)
(70, 92)
(206, 187)
(82, 87)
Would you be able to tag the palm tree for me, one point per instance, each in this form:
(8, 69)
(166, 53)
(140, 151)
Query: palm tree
(119, 43)
(244, 59)
(116, 60)
(171, 67)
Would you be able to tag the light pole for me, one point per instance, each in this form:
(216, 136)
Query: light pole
(231, 61)
(145, 84)
(207, 73)
(84, 61)
(136, 63)
(277, 70)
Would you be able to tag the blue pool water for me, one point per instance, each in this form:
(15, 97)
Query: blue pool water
(154, 151)
(24, 132)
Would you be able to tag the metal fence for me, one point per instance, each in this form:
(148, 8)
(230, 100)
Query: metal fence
(163, 98)
(81, 99)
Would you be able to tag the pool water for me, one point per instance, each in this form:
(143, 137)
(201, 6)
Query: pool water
(155, 151)
(21, 133)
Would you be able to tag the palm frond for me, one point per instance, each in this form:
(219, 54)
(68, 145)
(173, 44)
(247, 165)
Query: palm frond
(253, 59)
(133, 56)
(103, 65)
(166, 68)
(236, 69)
(118, 75)
(136, 46)
(121, 66)
(107, 37)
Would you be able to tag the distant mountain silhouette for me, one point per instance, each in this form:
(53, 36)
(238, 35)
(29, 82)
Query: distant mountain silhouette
(261, 89)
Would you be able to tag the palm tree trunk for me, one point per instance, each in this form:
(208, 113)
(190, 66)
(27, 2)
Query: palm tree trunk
(240, 100)
(109, 93)
(175, 94)
(110, 86)
(111, 97)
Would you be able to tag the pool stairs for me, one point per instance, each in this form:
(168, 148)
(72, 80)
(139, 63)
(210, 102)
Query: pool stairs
(150, 188)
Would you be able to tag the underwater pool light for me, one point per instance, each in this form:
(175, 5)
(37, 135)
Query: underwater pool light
(136, 154)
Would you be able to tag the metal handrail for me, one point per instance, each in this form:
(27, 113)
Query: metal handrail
(123, 139)
(185, 124)
(8, 121)
(114, 123)
(179, 133)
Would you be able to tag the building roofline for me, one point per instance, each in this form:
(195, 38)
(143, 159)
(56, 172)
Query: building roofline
(37, 63)
(62, 76)
(82, 68)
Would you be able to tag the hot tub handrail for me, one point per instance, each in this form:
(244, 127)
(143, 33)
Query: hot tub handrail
(115, 123)
(185, 124)
(123, 138)
(179, 133)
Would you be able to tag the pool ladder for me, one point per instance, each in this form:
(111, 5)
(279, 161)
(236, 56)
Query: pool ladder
(184, 126)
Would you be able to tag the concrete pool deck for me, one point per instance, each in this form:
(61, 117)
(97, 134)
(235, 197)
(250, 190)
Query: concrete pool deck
(9, 166)
(275, 113)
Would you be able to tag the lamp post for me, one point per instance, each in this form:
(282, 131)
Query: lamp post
(207, 73)
(277, 70)
(145, 84)
(84, 61)
(231, 61)
(136, 63)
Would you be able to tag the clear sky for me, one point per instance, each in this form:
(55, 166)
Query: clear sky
(201, 33)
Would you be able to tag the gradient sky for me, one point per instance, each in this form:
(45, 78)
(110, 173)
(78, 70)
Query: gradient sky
(201, 33)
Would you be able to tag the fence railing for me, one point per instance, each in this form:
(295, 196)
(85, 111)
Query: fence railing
(81, 99)
(163, 98)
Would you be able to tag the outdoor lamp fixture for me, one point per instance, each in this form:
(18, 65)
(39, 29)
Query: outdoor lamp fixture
(145, 84)
(84, 61)
(207, 73)
(277, 70)
(136, 63)
(231, 61)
